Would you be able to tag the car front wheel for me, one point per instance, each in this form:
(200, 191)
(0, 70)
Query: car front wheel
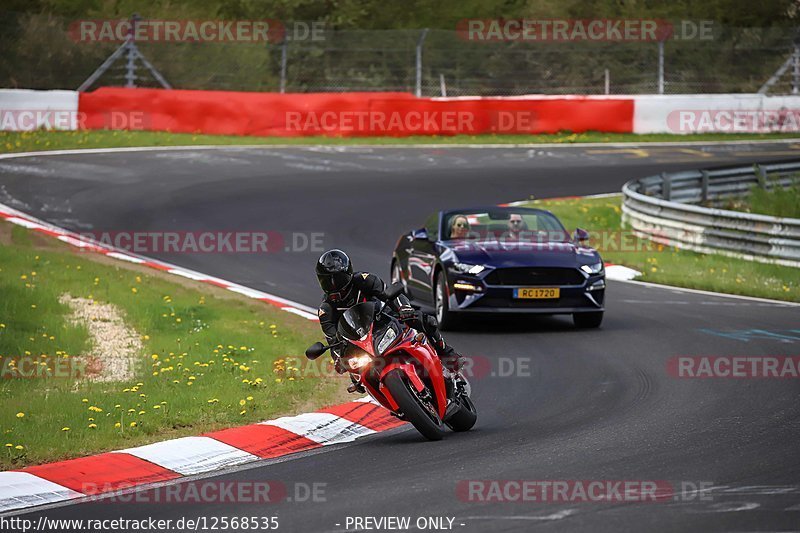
(446, 318)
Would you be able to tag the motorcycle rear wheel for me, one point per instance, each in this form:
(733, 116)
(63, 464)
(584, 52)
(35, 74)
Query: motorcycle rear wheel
(428, 424)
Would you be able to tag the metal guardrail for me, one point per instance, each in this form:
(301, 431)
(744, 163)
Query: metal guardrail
(681, 209)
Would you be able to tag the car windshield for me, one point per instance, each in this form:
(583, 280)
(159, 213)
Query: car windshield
(524, 226)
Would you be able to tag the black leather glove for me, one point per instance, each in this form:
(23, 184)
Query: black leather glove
(407, 312)
(339, 366)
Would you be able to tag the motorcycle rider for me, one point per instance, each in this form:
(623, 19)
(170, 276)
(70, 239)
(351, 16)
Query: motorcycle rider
(343, 289)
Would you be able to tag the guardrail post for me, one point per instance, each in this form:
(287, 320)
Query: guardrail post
(704, 186)
(666, 186)
(761, 176)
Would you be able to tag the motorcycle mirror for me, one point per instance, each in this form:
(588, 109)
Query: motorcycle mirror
(394, 290)
(315, 350)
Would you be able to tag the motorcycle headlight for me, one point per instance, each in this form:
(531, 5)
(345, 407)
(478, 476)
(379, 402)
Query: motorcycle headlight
(593, 269)
(359, 361)
(387, 339)
(466, 268)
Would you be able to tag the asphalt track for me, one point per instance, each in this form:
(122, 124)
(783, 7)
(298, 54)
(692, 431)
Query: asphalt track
(595, 405)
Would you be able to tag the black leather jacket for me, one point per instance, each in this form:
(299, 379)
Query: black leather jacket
(365, 287)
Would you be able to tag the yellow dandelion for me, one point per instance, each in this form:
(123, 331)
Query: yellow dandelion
(242, 402)
(134, 290)
(20, 415)
(92, 426)
(117, 425)
(133, 424)
(19, 447)
(65, 428)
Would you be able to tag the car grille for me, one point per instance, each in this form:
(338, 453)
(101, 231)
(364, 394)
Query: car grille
(533, 277)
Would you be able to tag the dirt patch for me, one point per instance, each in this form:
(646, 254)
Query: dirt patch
(115, 345)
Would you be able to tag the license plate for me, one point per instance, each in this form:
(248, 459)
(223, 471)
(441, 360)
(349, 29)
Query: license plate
(537, 293)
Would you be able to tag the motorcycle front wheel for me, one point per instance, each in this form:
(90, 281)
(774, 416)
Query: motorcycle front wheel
(465, 417)
(427, 422)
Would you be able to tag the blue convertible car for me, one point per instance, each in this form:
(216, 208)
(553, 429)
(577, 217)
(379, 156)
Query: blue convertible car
(500, 260)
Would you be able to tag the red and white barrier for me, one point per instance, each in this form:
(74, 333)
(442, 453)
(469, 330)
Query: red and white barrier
(349, 114)
(29, 110)
(716, 113)
(391, 114)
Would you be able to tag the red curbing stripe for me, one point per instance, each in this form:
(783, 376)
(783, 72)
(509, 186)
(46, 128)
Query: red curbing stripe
(102, 473)
(222, 284)
(157, 266)
(265, 441)
(366, 414)
(276, 303)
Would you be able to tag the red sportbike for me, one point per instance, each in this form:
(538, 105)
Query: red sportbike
(400, 369)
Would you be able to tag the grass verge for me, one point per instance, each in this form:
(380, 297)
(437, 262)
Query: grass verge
(210, 358)
(602, 217)
(61, 140)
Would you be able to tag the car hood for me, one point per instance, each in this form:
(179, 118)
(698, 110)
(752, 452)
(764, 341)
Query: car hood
(498, 254)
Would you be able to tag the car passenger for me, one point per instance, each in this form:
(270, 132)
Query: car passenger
(459, 227)
(516, 228)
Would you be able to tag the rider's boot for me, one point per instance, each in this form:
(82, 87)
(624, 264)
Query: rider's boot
(451, 359)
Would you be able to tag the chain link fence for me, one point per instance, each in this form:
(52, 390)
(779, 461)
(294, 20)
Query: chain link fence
(40, 53)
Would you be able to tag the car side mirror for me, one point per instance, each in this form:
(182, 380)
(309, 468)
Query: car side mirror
(420, 234)
(315, 350)
(581, 235)
(394, 290)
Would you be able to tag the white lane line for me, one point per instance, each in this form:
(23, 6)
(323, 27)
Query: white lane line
(779, 303)
(558, 515)
(344, 148)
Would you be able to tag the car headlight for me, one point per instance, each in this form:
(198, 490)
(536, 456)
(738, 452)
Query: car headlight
(466, 268)
(593, 269)
(359, 361)
(387, 339)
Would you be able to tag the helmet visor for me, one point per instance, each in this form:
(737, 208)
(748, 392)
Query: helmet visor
(335, 282)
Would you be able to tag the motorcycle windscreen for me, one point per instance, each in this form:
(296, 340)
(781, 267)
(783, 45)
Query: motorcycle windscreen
(356, 322)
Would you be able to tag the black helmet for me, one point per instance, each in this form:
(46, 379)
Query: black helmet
(335, 274)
